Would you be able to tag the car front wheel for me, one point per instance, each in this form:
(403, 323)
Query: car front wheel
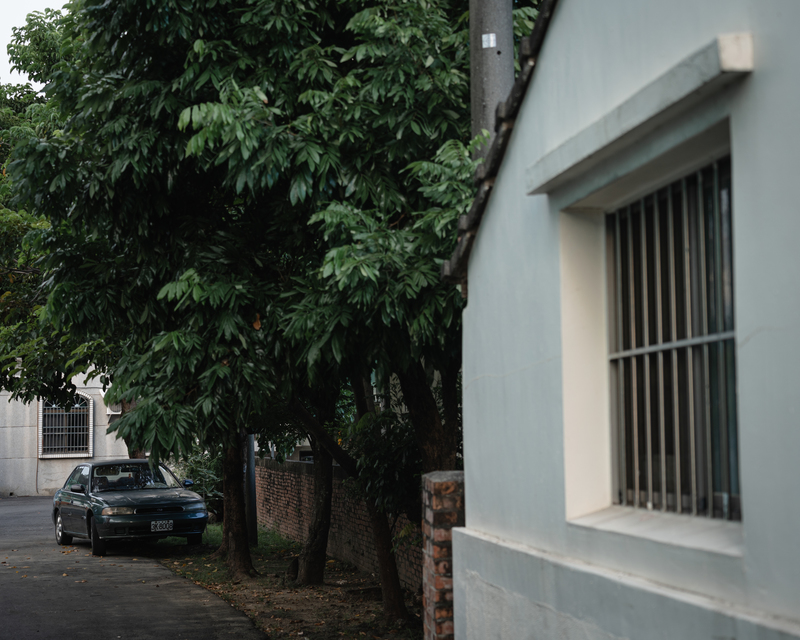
(98, 545)
(61, 537)
(195, 538)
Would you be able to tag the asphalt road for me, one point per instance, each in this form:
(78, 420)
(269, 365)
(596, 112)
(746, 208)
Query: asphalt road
(64, 593)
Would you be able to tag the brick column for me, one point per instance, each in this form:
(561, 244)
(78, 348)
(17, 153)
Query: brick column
(443, 505)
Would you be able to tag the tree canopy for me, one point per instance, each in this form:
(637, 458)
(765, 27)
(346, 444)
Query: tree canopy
(201, 141)
(36, 360)
(251, 199)
(35, 47)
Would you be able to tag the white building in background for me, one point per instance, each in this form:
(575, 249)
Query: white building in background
(40, 442)
(633, 327)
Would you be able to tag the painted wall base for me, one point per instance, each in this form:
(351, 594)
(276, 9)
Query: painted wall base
(504, 591)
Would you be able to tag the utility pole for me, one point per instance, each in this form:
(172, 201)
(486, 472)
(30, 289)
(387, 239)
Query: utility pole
(491, 42)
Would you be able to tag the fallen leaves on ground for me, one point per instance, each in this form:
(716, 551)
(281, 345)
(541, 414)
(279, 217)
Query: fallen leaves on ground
(346, 607)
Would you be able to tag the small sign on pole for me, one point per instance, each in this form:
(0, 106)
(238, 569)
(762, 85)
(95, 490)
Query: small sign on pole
(489, 40)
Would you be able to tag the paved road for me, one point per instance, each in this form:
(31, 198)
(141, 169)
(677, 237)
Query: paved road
(49, 592)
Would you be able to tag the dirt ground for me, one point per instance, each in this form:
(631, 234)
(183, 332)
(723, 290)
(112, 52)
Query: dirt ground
(346, 606)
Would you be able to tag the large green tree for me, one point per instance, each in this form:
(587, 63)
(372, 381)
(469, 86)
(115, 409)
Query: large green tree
(35, 360)
(230, 194)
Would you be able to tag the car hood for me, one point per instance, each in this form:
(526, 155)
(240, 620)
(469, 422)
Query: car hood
(136, 497)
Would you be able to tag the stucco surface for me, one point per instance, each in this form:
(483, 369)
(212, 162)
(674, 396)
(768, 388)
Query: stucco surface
(22, 473)
(595, 56)
(16, 414)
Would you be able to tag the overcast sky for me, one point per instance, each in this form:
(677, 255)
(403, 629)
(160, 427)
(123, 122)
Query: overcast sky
(12, 14)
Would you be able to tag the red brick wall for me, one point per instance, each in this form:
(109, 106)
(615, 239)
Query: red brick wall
(443, 507)
(284, 498)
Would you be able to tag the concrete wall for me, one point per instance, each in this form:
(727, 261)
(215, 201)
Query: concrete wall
(22, 473)
(532, 561)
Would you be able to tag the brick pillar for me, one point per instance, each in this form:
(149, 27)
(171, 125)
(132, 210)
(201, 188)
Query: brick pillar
(443, 509)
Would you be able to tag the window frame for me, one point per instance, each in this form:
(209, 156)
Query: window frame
(612, 168)
(670, 282)
(88, 451)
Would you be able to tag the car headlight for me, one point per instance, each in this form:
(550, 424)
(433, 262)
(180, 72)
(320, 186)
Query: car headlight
(195, 506)
(117, 511)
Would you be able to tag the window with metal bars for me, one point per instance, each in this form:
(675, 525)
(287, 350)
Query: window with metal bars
(65, 433)
(672, 351)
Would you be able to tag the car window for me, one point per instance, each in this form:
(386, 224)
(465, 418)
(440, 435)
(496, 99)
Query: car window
(130, 476)
(79, 476)
(73, 477)
(83, 477)
(169, 478)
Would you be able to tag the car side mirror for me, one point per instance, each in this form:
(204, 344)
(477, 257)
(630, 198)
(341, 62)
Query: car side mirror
(77, 488)
(188, 483)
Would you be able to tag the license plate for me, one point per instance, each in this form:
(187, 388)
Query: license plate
(161, 525)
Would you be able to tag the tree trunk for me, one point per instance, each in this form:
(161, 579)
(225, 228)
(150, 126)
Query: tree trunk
(360, 396)
(235, 546)
(133, 452)
(345, 460)
(437, 442)
(312, 559)
(394, 606)
(369, 394)
(451, 402)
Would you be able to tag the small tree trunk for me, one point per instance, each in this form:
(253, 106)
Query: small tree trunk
(133, 452)
(437, 442)
(451, 402)
(369, 395)
(394, 606)
(235, 546)
(312, 559)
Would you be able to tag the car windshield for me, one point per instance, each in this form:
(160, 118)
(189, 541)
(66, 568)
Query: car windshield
(123, 477)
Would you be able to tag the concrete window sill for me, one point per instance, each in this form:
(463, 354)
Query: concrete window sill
(691, 532)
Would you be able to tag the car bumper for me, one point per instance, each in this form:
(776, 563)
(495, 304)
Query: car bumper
(133, 526)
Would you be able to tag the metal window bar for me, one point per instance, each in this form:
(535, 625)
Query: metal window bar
(622, 479)
(676, 441)
(648, 457)
(706, 412)
(674, 359)
(687, 270)
(634, 395)
(725, 472)
(662, 437)
(65, 432)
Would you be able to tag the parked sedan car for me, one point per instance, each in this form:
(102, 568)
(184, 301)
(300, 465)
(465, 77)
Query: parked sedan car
(126, 499)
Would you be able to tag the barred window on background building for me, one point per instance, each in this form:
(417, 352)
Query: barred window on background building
(672, 353)
(66, 433)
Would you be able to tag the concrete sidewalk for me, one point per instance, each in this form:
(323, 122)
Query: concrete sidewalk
(49, 592)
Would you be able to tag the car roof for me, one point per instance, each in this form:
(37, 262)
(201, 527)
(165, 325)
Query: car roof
(105, 463)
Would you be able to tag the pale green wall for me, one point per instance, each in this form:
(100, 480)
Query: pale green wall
(596, 55)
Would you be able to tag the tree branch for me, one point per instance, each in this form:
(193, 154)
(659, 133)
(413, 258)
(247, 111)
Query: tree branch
(345, 460)
(33, 271)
